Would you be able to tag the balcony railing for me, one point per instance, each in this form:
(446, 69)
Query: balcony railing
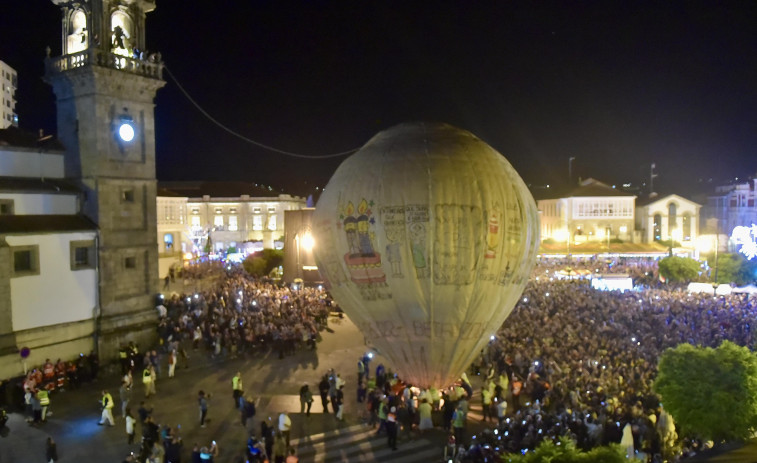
(97, 57)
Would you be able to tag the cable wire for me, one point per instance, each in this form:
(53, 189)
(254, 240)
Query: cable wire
(249, 140)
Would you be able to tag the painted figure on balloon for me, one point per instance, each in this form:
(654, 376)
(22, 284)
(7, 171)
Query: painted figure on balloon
(492, 235)
(418, 246)
(363, 262)
(394, 235)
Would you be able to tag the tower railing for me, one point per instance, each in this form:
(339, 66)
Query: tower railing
(151, 67)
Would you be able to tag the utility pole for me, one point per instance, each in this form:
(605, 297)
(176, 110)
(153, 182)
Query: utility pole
(652, 175)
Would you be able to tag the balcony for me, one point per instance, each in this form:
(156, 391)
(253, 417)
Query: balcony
(97, 57)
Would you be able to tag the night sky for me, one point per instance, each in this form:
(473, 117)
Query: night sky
(617, 85)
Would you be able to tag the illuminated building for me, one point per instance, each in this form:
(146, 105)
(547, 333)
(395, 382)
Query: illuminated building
(732, 206)
(662, 218)
(8, 85)
(220, 215)
(593, 211)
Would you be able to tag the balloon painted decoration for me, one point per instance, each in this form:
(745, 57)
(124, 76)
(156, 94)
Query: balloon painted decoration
(426, 237)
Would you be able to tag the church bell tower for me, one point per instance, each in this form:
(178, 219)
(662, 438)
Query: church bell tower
(105, 86)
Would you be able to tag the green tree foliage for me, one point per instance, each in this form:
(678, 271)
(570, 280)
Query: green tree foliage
(711, 393)
(735, 268)
(261, 263)
(679, 269)
(567, 452)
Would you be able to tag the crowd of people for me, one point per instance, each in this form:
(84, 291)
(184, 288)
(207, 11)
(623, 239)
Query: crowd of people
(585, 360)
(242, 315)
(570, 361)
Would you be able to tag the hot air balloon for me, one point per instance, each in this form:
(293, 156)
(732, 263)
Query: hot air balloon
(426, 237)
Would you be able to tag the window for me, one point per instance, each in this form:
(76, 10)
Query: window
(672, 219)
(232, 210)
(6, 207)
(271, 210)
(130, 262)
(233, 223)
(127, 195)
(218, 222)
(82, 255)
(168, 241)
(196, 222)
(686, 226)
(25, 260)
(256, 210)
(272, 222)
(219, 210)
(257, 222)
(195, 211)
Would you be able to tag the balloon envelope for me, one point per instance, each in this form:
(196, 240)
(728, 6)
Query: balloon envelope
(426, 237)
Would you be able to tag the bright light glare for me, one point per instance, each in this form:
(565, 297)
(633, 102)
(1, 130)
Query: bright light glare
(126, 132)
(307, 242)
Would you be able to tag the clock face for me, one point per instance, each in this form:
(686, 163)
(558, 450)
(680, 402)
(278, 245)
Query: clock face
(126, 132)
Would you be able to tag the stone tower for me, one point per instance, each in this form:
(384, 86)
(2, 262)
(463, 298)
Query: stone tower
(105, 87)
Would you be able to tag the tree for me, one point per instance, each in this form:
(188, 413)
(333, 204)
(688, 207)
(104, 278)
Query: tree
(679, 269)
(711, 393)
(261, 263)
(735, 268)
(566, 452)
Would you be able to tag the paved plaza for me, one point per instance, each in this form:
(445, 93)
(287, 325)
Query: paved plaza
(274, 382)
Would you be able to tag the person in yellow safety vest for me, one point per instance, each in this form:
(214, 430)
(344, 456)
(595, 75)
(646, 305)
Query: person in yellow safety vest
(237, 389)
(44, 401)
(148, 379)
(486, 403)
(107, 404)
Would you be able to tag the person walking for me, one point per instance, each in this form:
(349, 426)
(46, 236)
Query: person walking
(44, 402)
(306, 399)
(391, 428)
(458, 424)
(124, 393)
(285, 424)
(51, 451)
(237, 389)
(148, 379)
(172, 361)
(339, 403)
(425, 423)
(107, 405)
(323, 390)
(202, 401)
(130, 422)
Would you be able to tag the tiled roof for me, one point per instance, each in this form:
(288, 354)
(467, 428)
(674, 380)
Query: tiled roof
(37, 185)
(20, 224)
(15, 137)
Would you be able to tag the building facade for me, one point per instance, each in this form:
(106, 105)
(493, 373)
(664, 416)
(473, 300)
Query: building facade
(213, 217)
(670, 217)
(105, 95)
(8, 85)
(48, 262)
(593, 211)
(732, 206)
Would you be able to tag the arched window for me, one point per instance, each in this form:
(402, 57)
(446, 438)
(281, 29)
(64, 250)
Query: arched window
(672, 219)
(657, 227)
(686, 226)
(77, 32)
(122, 32)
